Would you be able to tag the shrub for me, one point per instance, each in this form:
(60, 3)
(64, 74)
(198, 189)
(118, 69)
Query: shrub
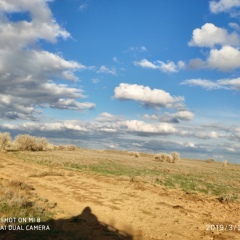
(169, 158)
(210, 160)
(61, 147)
(164, 157)
(176, 156)
(224, 163)
(51, 147)
(71, 147)
(5, 140)
(161, 157)
(30, 143)
(136, 154)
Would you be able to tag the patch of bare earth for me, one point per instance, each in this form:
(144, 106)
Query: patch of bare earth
(89, 206)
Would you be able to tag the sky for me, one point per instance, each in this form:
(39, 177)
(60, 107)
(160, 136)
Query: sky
(147, 76)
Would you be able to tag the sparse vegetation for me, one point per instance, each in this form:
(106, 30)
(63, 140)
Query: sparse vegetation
(135, 154)
(164, 157)
(5, 140)
(188, 175)
(26, 142)
(210, 160)
(176, 156)
(224, 163)
(15, 201)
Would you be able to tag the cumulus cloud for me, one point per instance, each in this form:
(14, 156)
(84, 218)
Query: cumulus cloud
(146, 128)
(27, 73)
(145, 95)
(223, 5)
(164, 67)
(225, 59)
(209, 35)
(107, 117)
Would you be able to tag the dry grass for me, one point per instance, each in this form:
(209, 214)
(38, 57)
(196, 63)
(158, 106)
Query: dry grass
(18, 200)
(189, 175)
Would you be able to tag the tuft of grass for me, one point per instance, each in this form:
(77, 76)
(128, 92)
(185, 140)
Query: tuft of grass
(18, 200)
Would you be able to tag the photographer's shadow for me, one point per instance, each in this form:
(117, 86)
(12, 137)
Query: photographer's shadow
(81, 227)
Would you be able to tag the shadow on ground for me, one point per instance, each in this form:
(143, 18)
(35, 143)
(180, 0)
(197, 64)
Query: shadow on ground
(82, 227)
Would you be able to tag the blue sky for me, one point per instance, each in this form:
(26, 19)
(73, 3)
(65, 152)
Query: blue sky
(150, 76)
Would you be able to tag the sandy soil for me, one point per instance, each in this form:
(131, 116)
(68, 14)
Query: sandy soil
(129, 210)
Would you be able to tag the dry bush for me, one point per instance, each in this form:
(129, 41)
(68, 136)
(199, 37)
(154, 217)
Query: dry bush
(51, 147)
(26, 142)
(137, 179)
(21, 185)
(164, 157)
(71, 147)
(169, 158)
(224, 163)
(61, 147)
(176, 156)
(5, 140)
(160, 157)
(135, 154)
(210, 160)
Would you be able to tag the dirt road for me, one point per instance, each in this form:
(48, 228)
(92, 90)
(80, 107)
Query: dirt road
(134, 210)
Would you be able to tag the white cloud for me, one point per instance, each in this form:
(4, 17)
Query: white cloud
(83, 7)
(71, 104)
(104, 69)
(207, 84)
(145, 64)
(223, 5)
(183, 115)
(167, 67)
(34, 69)
(145, 95)
(164, 67)
(138, 49)
(210, 35)
(234, 26)
(95, 80)
(225, 59)
(115, 59)
(107, 117)
(142, 127)
(42, 26)
(233, 84)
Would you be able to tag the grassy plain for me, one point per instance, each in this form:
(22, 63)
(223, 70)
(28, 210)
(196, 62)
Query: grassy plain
(190, 175)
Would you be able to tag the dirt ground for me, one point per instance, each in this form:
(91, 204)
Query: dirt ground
(87, 203)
